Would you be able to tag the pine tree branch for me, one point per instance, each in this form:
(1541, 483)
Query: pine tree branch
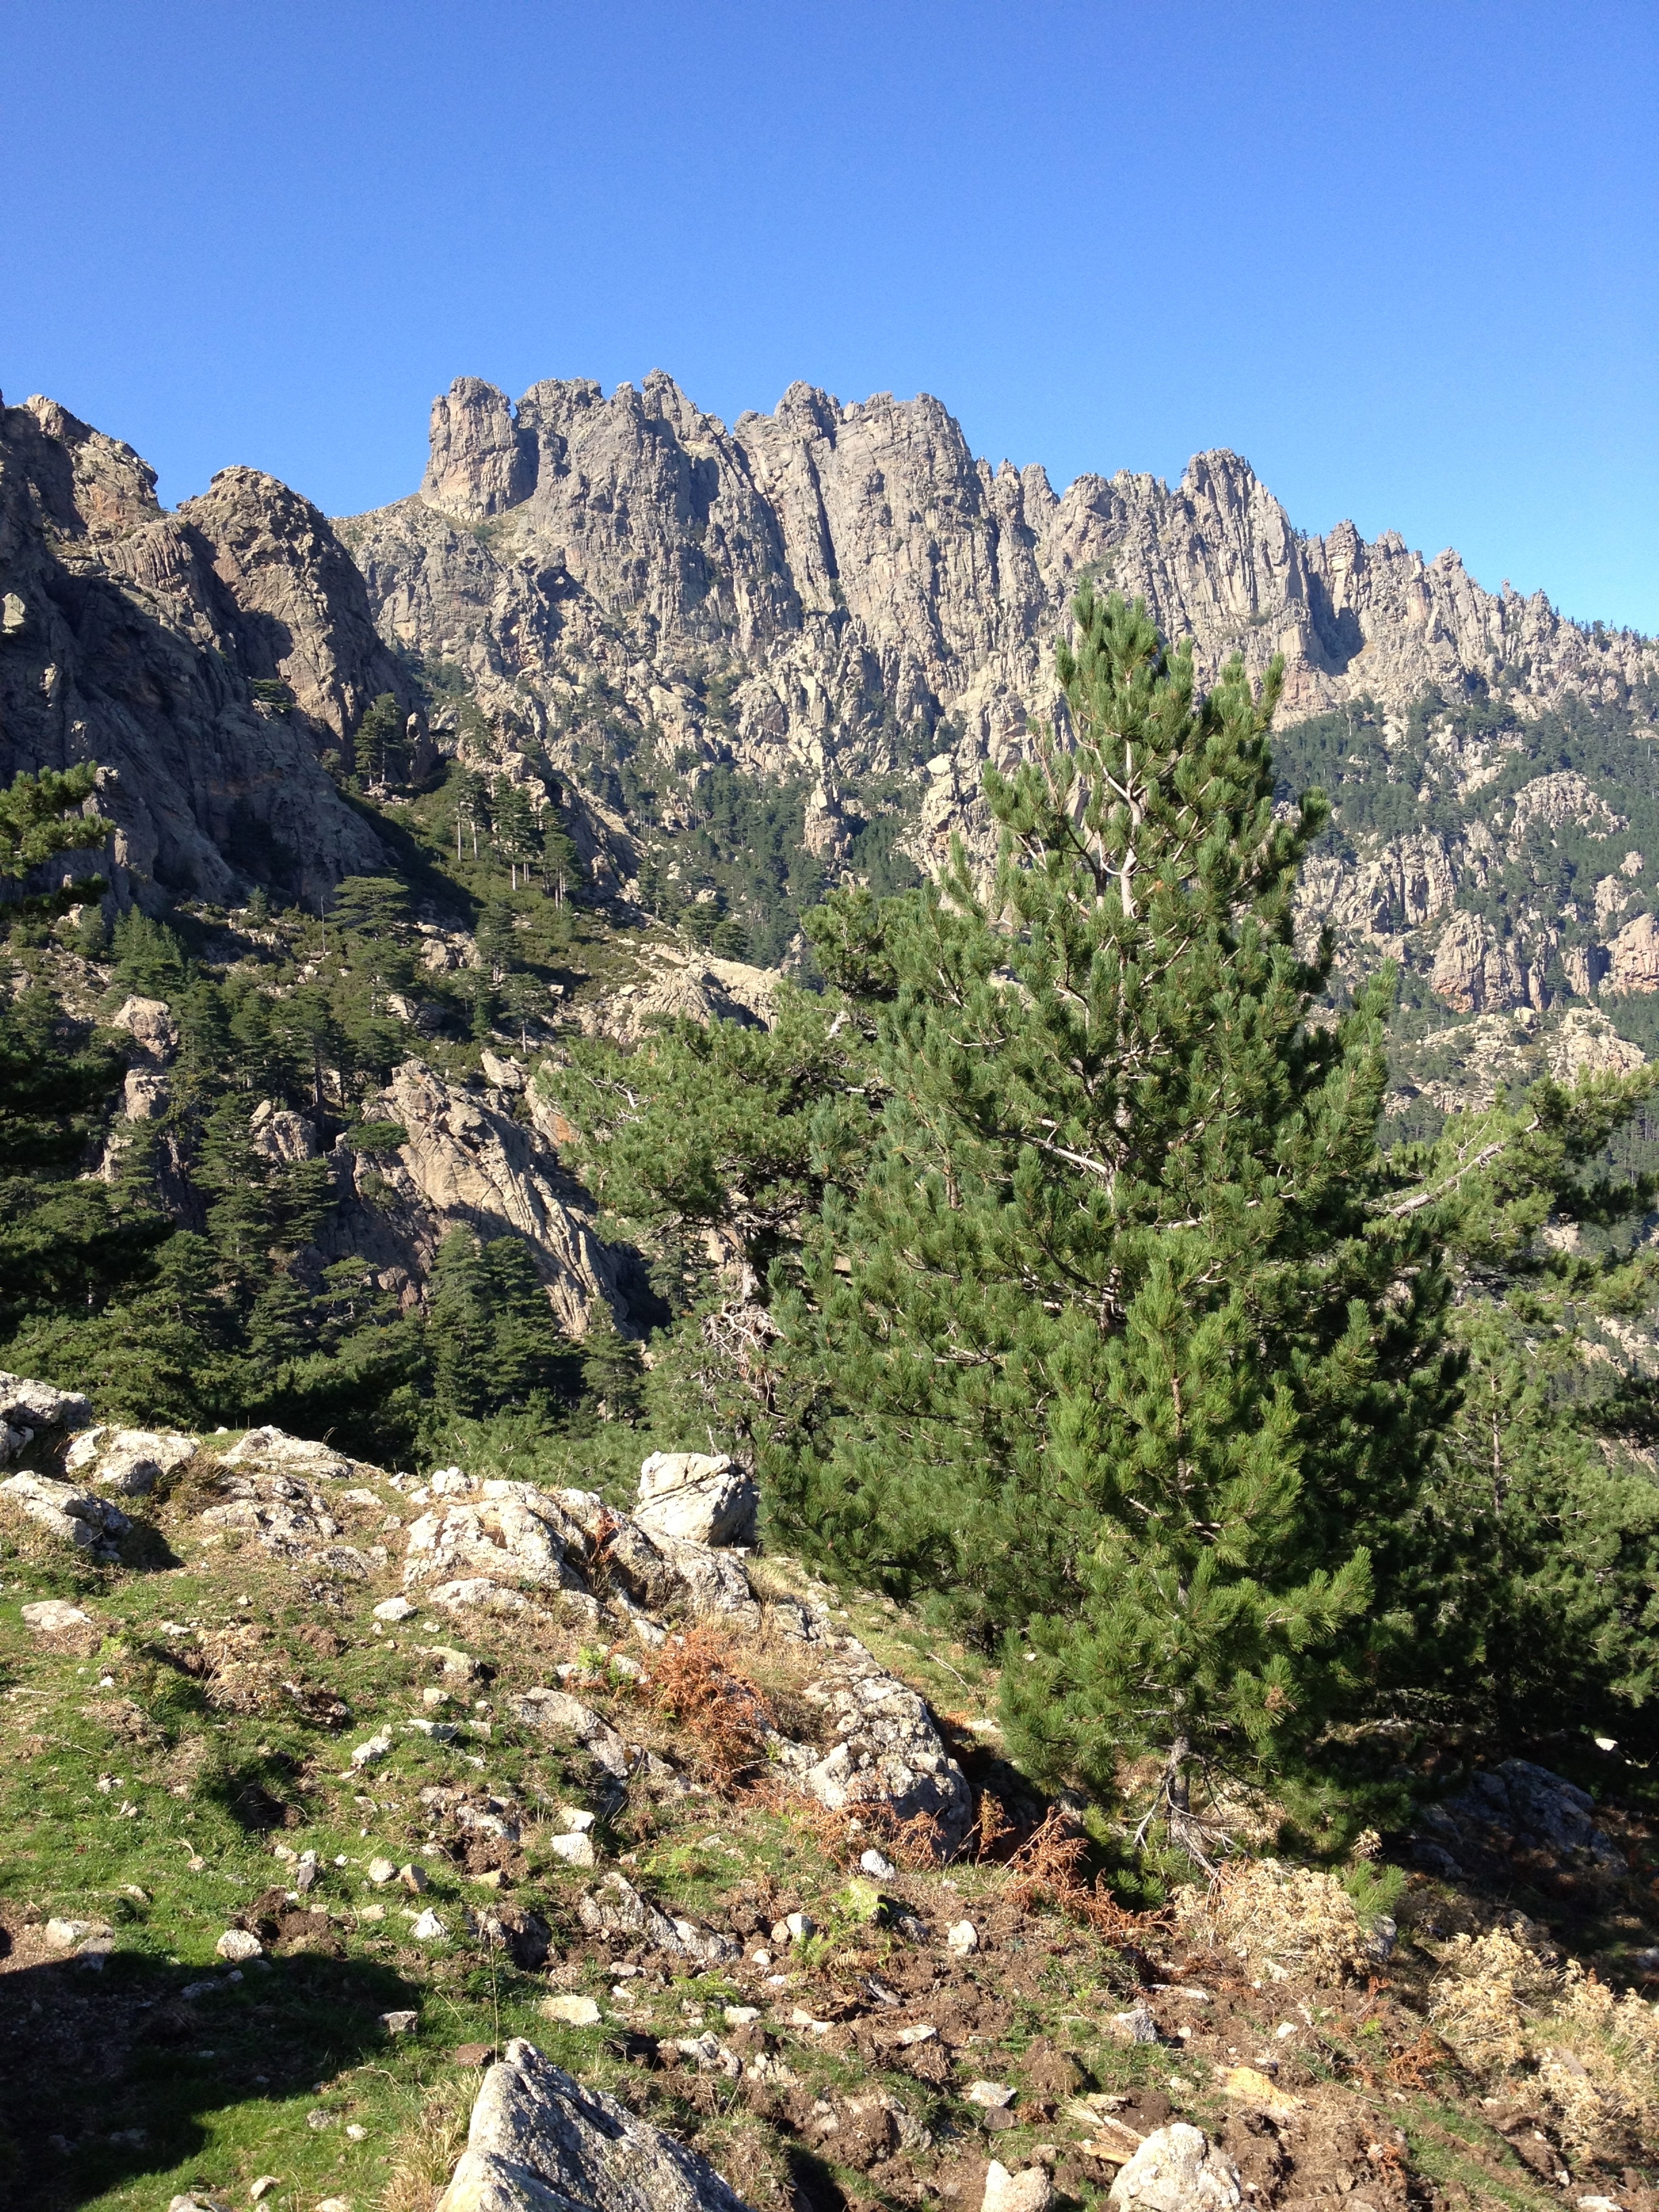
(1419, 1200)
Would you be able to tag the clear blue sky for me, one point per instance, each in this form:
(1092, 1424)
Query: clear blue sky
(1403, 257)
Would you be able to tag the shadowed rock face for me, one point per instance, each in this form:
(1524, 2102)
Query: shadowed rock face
(131, 637)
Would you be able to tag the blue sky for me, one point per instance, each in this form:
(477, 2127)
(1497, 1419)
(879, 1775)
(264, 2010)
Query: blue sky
(1404, 258)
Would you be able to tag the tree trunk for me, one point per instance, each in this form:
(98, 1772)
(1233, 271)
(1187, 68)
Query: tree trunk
(1175, 1789)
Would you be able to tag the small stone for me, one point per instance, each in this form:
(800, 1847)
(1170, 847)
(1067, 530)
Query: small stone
(872, 1863)
(1249, 2084)
(414, 1878)
(740, 2015)
(264, 2187)
(429, 1929)
(374, 1749)
(572, 1821)
(357, 2134)
(66, 1934)
(1135, 2025)
(382, 1870)
(1033, 2191)
(490, 1879)
(798, 1927)
(400, 2023)
(472, 2054)
(333, 2204)
(921, 2032)
(575, 1850)
(371, 1912)
(962, 1938)
(992, 2094)
(51, 1616)
(319, 2119)
(237, 1945)
(573, 2011)
(393, 1609)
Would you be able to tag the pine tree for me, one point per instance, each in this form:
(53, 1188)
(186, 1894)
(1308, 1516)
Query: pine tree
(242, 1222)
(722, 1135)
(457, 1332)
(380, 741)
(613, 1375)
(372, 915)
(1117, 1347)
(1532, 1557)
(469, 795)
(498, 941)
(69, 1245)
(731, 941)
(518, 837)
(40, 816)
(525, 1348)
(150, 960)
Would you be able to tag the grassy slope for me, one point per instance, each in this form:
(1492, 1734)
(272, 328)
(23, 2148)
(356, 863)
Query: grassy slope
(157, 1765)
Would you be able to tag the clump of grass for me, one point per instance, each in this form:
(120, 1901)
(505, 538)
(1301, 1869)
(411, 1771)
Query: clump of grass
(1506, 2007)
(1288, 1919)
(426, 2154)
(1482, 1997)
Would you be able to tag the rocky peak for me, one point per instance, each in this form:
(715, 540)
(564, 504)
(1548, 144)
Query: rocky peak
(88, 485)
(131, 637)
(482, 462)
(301, 613)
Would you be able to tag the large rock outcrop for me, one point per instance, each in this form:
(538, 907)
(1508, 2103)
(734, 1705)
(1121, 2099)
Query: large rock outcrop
(847, 597)
(133, 637)
(467, 1163)
(859, 572)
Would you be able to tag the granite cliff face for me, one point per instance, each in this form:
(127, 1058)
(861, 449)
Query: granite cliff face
(833, 590)
(134, 637)
(845, 597)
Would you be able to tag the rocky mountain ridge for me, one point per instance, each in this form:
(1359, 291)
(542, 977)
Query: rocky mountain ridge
(615, 603)
(836, 591)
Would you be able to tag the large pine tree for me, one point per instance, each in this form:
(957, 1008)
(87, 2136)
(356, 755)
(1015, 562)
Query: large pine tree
(1120, 1348)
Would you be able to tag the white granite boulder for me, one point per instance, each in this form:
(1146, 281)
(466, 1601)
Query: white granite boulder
(74, 1516)
(127, 1462)
(540, 2141)
(1176, 2169)
(693, 1498)
(28, 1408)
